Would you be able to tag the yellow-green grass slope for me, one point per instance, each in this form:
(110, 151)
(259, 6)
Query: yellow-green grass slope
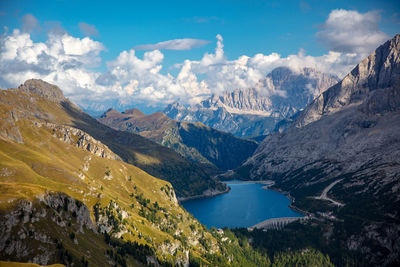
(61, 201)
(130, 204)
(187, 178)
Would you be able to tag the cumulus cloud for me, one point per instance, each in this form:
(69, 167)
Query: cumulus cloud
(62, 60)
(87, 29)
(30, 23)
(176, 44)
(349, 31)
(130, 80)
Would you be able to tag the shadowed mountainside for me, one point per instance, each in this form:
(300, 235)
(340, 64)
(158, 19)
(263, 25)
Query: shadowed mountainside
(350, 134)
(187, 178)
(68, 197)
(194, 141)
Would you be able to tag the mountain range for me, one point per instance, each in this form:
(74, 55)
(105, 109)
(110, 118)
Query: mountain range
(71, 193)
(78, 192)
(188, 179)
(347, 141)
(195, 141)
(256, 111)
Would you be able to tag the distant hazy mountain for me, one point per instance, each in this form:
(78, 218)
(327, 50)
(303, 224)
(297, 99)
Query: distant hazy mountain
(350, 134)
(255, 111)
(194, 141)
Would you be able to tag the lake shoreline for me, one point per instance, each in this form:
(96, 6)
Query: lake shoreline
(264, 184)
(292, 200)
(206, 195)
(306, 215)
(267, 183)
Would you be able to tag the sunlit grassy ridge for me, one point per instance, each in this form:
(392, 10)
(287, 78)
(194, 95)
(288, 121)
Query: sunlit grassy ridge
(62, 202)
(43, 164)
(188, 179)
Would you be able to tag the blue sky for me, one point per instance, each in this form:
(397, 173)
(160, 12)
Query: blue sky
(247, 27)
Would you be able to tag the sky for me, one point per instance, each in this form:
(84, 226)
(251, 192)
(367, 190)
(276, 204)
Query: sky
(148, 54)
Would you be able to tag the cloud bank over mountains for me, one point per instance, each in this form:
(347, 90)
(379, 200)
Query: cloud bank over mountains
(68, 62)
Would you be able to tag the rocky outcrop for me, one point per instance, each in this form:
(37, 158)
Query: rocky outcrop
(23, 236)
(79, 138)
(38, 101)
(374, 84)
(256, 111)
(351, 123)
(349, 133)
(43, 89)
(9, 129)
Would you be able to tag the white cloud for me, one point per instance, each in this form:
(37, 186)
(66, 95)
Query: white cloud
(87, 29)
(30, 23)
(349, 31)
(130, 81)
(62, 60)
(176, 44)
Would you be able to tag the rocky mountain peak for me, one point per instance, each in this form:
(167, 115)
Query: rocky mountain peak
(280, 73)
(134, 112)
(43, 89)
(363, 85)
(346, 141)
(256, 111)
(109, 112)
(283, 90)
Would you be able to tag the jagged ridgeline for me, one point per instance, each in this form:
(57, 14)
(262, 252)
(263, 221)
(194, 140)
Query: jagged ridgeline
(195, 141)
(187, 178)
(347, 141)
(257, 111)
(67, 197)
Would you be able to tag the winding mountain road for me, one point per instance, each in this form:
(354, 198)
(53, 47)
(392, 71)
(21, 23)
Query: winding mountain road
(324, 193)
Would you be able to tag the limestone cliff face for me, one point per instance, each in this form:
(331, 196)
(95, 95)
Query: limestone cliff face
(374, 83)
(281, 93)
(350, 120)
(22, 226)
(256, 111)
(351, 133)
(79, 138)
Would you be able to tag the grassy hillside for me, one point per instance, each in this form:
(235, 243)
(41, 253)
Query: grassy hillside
(195, 141)
(67, 198)
(187, 178)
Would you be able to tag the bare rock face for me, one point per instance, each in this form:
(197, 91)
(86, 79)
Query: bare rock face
(79, 138)
(351, 133)
(374, 83)
(43, 89)
(9, 129)
(25, 239)
(350, 120)
(256, 111)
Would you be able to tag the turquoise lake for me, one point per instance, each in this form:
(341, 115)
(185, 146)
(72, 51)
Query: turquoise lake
(245, 205)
